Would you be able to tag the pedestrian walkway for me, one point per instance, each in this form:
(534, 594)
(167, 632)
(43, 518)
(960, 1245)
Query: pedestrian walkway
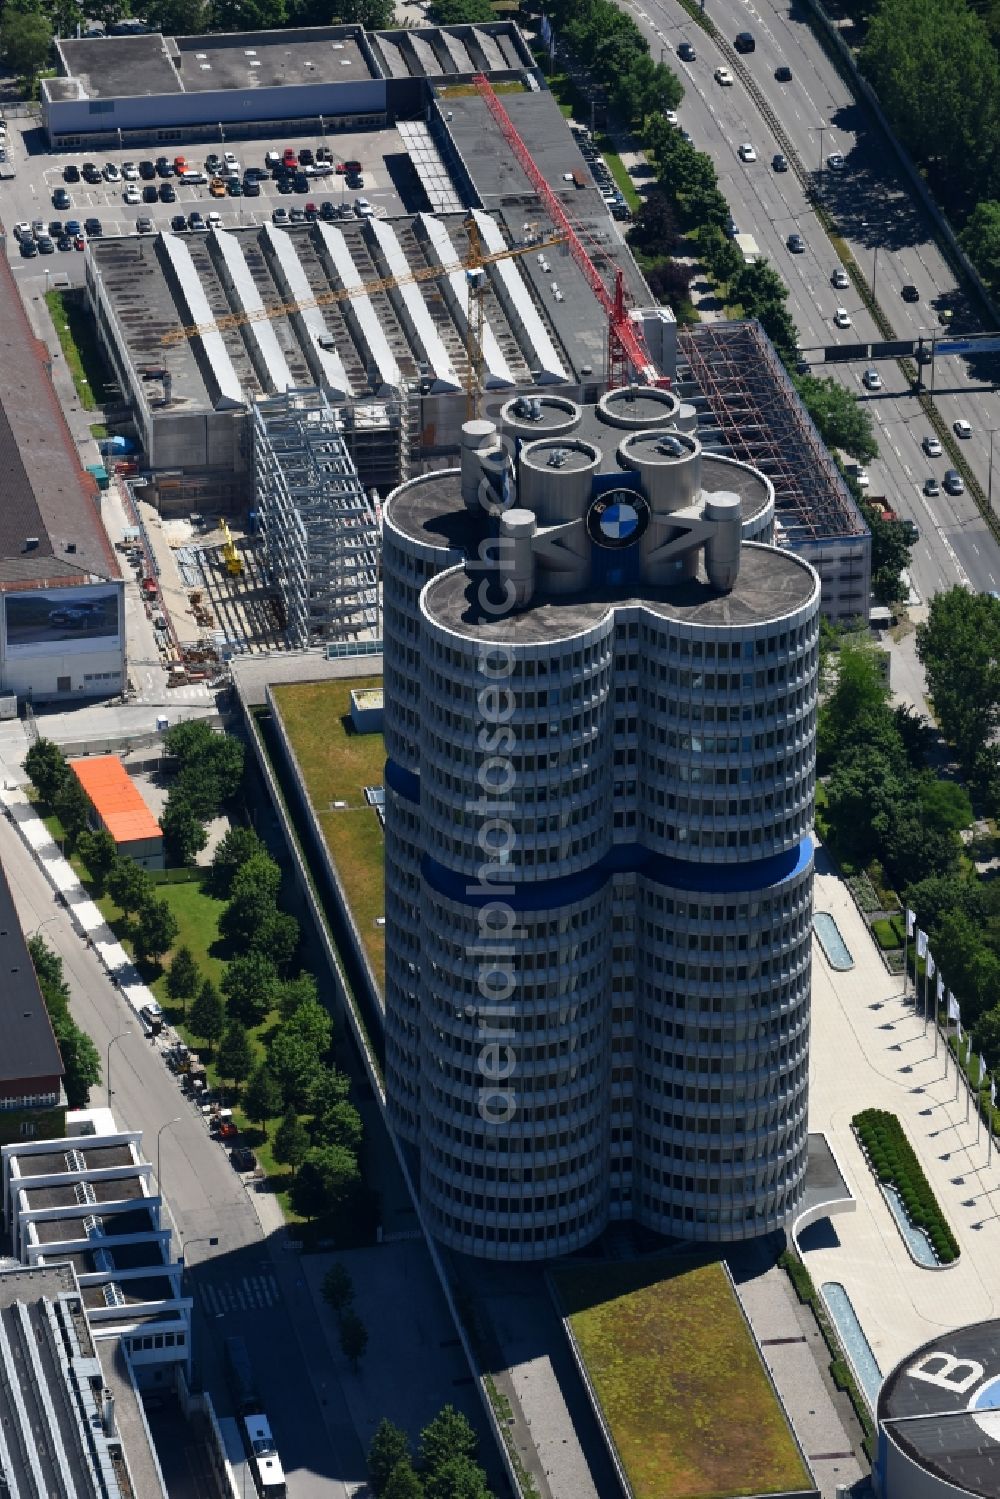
(243, 1295)
(869, 1049)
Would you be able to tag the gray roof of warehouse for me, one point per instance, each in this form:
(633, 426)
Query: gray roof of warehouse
(29, 1047)
(45, 492)
(127, 66)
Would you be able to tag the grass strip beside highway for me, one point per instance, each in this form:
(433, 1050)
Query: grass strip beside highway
(680, 1381)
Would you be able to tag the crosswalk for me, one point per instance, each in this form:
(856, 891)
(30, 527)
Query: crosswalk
(249, 1293)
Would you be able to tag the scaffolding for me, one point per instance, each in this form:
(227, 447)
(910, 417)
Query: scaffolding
(749, 409)
(319, 528)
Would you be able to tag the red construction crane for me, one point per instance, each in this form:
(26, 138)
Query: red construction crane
(626, 348)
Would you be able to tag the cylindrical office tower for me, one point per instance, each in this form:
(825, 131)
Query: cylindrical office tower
(598, 857)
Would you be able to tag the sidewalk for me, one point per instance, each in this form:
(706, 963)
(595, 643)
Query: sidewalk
(869, 1049)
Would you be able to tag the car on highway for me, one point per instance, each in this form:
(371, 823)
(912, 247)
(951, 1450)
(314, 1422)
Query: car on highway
(744, 41)
(842, 318)
(132, 194)
(60, 198)
(840, 279)
(909, 292)
(911, 534)
(953, 481)
(932, 447)
(723, 76)
(779, 162)
(931, 487)
(962, 428)
(686, 52)
(796, 244)
(871, 379)
(746, 152)
(783, 74)
(835, 161)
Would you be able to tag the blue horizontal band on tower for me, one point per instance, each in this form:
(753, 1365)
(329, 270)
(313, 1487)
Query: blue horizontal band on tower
(622, 858)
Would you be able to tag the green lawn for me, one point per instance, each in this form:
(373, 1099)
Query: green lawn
(620, 173)
(680, 1381)
(77, 336)
(337, 765)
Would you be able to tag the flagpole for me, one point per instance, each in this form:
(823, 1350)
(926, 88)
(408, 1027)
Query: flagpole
(937, 1014)
(958, 1064)
(926, 966)
(968, 1089)
(906, 958)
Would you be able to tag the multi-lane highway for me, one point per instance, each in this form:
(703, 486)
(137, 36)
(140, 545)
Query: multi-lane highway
(887, 232)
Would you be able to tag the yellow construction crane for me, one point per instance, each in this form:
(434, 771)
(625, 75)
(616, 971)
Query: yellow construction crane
(473, 265)
(230, 556)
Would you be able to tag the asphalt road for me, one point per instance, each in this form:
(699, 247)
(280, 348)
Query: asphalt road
(246, 1285)
(888, 235)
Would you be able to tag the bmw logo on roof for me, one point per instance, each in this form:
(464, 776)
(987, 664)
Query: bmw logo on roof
(618, 518)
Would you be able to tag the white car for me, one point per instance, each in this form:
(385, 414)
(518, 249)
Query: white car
(962, 428)
(835, 162)
(213, 220)
(842, 318)
(363, 208)
(130, 172)
(746, 152)
(861, 478)
(840, 279)
(112, 173)
(670, 115)
(723, 76)
(871, 379)
(932, 447)
(230, 159)
(132, 194)
(22, 231)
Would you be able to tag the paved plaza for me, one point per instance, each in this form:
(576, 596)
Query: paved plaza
(869, 1049)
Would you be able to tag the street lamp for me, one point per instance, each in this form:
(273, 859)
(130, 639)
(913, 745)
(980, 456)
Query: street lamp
(864, 228)
(989, 487)
(107, 1071)
(821, 131)
(169, 1125)
(42, 924)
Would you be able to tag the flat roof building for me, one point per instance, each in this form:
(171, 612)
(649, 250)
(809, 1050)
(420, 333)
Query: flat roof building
(70, 1420)
(32, 1102)
(120, 809)
(61, 593)
(600, 717)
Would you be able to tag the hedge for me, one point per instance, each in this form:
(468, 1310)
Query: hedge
(894, 1162)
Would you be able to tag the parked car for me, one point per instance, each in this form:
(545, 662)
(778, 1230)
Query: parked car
(64, 242)
(167, 193)
(296, 215)
(354, 181)
(91, 173)
(164, 167)
(363, 208)
(306, 158)
(327, 210)
(73, 227)
(112, 172)
(144, 225)
(28, 247)
(217, 187)
(130, 172)
(251, 188)
(94, 228)
(71, 172)
(46, 245)
(196, 222)
(234, 187)
(148, 170)
(280, 216)
(150, 194)
(178, 222)
(300, 183)
(60, 198)
(243, 1159)
(132, 194)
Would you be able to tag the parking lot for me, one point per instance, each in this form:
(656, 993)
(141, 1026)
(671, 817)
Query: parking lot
(388, 184)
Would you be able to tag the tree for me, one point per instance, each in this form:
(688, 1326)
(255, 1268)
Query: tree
(208, 1013)
(329, 1089)
(250, 986)
(262, 1096)
(48, 970)
(338, 1293)
(859, 697)
(297, 1066)
(325, 1178)
(935, 898)
(279, 937)
(959, 647)
(654, 230)
(986, 1037)
(353, 1338)
(189, 740)
(291, 1141)
(449, 1435)
(155, 929)
(458, 1478)
(890, 555)
(295, 992)
(389, 1447)
(129, 886)
(461, 12)
(178, 17)
(97, 849)
(670, 282)
(980, 239)
(25, 41)
(235, 848)
(253, 901)
(312, 1023)
(842, 421)
(403, 1482)
(81, 1061)
(46, 768)
(247, 15)
(236, 1054)
(183, 976)
(184, 834)
(340, 1125)
(211, 763)
(71, 805)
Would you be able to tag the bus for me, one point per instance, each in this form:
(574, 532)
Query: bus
(264, 1460)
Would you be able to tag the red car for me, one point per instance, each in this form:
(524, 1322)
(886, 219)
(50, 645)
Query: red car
(79, 243)
(291, 156)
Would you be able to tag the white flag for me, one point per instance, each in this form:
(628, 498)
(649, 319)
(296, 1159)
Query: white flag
(940, 989)
(930, 964)
(982, 1069)
(911, 922)
(954, 1012)
(958, 1036)
(993, 1090)
(921, 943)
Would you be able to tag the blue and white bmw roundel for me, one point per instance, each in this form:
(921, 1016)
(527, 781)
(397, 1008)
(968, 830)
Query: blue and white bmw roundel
(617, 518)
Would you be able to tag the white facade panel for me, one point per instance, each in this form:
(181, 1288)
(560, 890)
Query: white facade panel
(310, 324)
(415, 313)
(230, 392)
(358, 307)
(517, 302)
(496, 370)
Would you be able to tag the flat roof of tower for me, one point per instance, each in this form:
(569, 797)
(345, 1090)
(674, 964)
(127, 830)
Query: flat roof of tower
(772, 583)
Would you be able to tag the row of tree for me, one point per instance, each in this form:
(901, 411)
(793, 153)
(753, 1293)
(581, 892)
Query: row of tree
(81, 1063)
(445, 1468)
(959, 648)
(617, 58)
(209, 775)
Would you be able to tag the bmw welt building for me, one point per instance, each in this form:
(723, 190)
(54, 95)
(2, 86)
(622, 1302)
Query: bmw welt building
(600, 716)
